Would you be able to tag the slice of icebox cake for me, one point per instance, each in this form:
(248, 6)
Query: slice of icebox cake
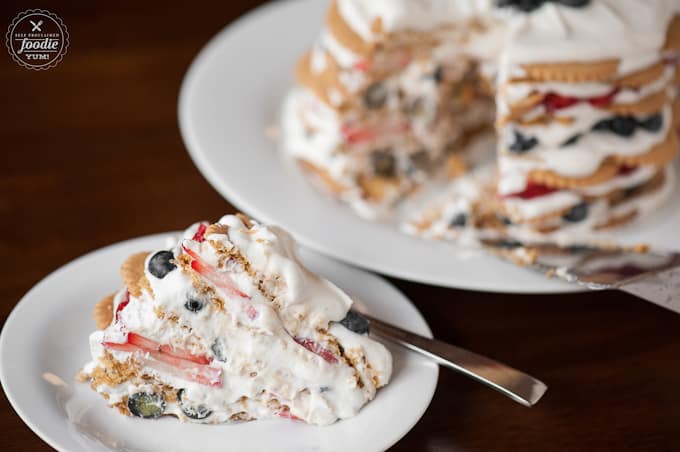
(228, 325)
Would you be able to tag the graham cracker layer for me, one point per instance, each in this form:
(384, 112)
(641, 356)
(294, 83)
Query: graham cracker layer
(103, 312)
(321, 83)
(572, 72)
(673, 35)
(132, 272)
(616, 221)
(344, 34)
(334, 186)
(374, 188)
(659, 155)
(550, 179)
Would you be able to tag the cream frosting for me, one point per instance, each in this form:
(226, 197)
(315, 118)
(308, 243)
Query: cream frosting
(255, 345)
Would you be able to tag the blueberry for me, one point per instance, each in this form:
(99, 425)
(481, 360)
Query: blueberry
(193, 304)
(192, 411)
(148, 405)
(356, 322)
(219, 350)
(577, 213)
(384, 163)
(525, 6)
(438, 74)
(375, 96)
(458, 221)
(522, 144)
(505, 220)
(652, 123)
(571, 141)
(161, 264)
(621, 125)
(581, 248)
(507, 244)
(575, 3)
(323, 389)
(420, 160)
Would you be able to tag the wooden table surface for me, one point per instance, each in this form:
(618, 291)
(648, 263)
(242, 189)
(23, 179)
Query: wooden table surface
(91, 155)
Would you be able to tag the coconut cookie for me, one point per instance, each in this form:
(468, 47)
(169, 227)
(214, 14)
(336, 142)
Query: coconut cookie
(227, 325)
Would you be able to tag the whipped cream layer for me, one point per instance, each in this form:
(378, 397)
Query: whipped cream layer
(243, 330)
(631, 31)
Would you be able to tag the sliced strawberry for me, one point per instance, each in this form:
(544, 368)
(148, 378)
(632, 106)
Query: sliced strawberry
(125, 347)
(199, 236)
(555, 102)
(531, 191)
(357, 135)
(181, 368)
(184, 354)
(361, 65)
(124, 302)
(219, 279)
(603, 101)
(286, 414)
(142, 342)
(624, 170)
(317, 349)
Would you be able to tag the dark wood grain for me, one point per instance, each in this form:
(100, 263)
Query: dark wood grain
(91, 155)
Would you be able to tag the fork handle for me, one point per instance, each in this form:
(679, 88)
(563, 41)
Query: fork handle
(518, 386)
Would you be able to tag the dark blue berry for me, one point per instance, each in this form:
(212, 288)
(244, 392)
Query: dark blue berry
(575, 3)
(148, 405)
(571, 141)
(507, 244)
(192, 411)
(420, 160)
(577, 213)
(219, 350)
(438, 74)
(384, 163)
(458, 221)
(505, 220)
(161, 264)
(323, 389)
(621, 125)
(525, 6)
(193, 304)
(375, 96)
(522, 144)
(653, 123)
(356, 322)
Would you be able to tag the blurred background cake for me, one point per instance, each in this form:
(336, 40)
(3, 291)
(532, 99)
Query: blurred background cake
(583, 93)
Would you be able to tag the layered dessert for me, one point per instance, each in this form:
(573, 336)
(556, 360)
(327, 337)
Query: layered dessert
(386, 95)
(228, 325)
(584, 94)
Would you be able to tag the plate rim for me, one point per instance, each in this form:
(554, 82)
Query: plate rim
(23, 304)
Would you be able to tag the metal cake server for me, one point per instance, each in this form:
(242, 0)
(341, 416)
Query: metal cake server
(653, 276)
(518, 386)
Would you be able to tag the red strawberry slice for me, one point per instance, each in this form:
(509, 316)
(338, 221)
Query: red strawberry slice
(199, 236)
(286, 414)
(184, 354)
(355, 135)
(555, 102)
(531, 191)
(219, 279)
(317, 349)
(603, 101)
(361, 65)
(124, 302)
(187, 370)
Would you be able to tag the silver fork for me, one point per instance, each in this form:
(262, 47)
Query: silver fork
(518, 386)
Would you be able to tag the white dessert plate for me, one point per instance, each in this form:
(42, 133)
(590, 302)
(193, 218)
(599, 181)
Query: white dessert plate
(45, 342)
(234, 91)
